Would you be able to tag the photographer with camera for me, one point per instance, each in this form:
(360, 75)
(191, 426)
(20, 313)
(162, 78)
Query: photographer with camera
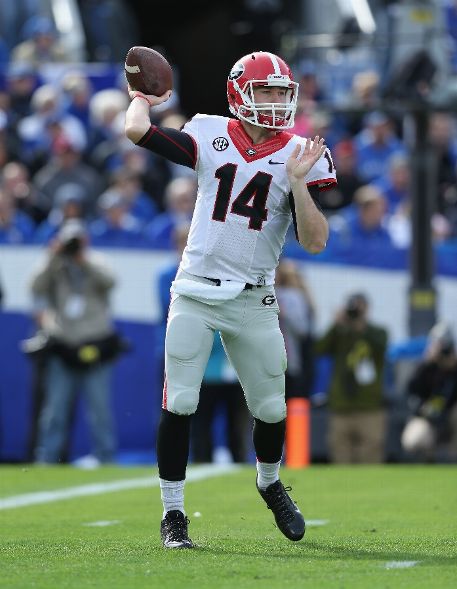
(357, 420)
(432, 397)
(71, 304)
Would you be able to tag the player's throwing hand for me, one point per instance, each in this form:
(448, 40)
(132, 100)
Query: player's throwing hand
(153, 100)
(299, 165)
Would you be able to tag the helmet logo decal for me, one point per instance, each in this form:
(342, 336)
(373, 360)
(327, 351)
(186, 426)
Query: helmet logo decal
(251, 151)
(220, 144)
(237, 71)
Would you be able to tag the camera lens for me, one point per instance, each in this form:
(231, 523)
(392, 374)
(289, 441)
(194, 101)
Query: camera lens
(72, 246)
(447, 349)
(353, 312)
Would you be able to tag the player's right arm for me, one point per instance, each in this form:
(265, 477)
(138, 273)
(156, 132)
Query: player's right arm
(174, 145)
(137, 121)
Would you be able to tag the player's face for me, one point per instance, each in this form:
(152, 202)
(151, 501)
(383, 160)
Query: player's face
(268, 94)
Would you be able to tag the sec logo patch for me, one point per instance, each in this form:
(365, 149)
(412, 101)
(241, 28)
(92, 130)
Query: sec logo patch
(220, 144)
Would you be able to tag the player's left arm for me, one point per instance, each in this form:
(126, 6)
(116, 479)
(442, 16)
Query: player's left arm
(311, 225)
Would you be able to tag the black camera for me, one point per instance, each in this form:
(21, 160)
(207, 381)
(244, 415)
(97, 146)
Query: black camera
(447, 349)
(72, 247)
(355, 306)
(353, 312)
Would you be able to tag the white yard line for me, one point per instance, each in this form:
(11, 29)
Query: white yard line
(401, 564)
(196, 473)
(103, 523)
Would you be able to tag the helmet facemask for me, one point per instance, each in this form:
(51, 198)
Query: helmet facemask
(269, 115)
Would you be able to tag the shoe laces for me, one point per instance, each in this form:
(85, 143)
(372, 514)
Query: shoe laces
(280, 503)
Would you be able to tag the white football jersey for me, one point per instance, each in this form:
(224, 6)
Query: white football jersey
(242, 211)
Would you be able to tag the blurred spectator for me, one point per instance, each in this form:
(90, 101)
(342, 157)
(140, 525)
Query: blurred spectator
(349, 180)
(12, 18)
(107, 112)
(38, 131)
(220, 388)
(66, 167)
(77, 93)
(396, 184)
(21, 83)
(361, 226)
(355, 398)
(310, 88)
(9, 144)
(140, 204)
(116, 226)
(442, 132)
(399, 227)
(450, 20)
(296, 319)
(4, 52)
(309, 95)
(16, 183)
(321, 124)
(432, 395)
(15, 226)
(71, 302)
(68, 204)
(375, 145)
(364, 98)
(154, 171)
(41, 44)
(180, 197)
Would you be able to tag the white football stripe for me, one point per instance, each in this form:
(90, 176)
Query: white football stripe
(195, 473)
(132, 69)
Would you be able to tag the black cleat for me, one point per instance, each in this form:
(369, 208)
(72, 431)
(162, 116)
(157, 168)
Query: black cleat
(287, 515)
(173, 530)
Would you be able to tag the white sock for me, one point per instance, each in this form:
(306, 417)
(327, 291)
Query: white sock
(267, 473)
(172, 493)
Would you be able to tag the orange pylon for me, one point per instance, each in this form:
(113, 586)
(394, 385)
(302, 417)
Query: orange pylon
(298, 433)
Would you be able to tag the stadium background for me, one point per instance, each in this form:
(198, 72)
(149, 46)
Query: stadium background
(304, 32)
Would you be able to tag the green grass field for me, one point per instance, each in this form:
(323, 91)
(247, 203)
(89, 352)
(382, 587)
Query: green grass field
(374, 518)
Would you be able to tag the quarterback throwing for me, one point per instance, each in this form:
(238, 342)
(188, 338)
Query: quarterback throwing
(254, 180)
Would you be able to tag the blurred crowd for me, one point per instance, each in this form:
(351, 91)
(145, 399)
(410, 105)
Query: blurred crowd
(63, 154)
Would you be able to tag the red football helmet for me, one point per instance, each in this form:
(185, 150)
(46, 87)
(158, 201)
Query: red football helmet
(262, 69)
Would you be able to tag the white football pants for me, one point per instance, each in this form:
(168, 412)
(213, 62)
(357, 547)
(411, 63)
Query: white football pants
(250, 334)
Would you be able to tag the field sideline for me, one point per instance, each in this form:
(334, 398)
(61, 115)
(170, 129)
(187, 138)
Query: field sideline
(387, 527)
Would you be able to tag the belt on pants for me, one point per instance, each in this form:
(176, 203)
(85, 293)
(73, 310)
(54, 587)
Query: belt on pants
(247, 286)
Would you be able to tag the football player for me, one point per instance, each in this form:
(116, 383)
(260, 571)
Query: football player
(254, 179)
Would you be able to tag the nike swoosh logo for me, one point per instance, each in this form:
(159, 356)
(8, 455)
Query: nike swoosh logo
(271, 162)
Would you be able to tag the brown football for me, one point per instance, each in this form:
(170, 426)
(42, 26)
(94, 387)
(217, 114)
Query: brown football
(148, 71)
